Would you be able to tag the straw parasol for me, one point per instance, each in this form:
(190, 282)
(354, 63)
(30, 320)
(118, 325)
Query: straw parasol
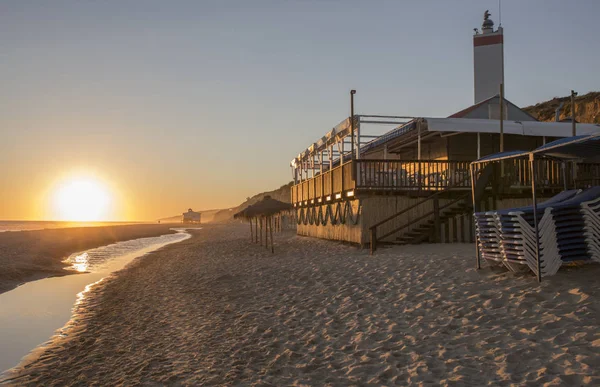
(263, 210)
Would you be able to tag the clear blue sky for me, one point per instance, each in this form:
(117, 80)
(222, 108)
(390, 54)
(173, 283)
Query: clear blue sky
(202, 103)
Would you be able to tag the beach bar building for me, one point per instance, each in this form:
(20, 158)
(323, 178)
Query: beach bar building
(412, 183)
(191, 216)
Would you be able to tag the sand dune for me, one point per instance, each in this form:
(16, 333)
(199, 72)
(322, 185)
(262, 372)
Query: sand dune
(216, 310)
(30, 255)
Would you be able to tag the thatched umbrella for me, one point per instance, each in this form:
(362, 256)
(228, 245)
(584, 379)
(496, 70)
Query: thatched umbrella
(264, 209)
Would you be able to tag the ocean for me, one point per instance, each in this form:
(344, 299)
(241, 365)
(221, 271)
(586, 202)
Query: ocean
(28, 225)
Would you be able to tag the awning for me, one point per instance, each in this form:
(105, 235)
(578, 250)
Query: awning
(570, 148)
(524, 128)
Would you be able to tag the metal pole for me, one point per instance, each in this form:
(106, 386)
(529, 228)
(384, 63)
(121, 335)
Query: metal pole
(502, 117)
(535, 220)
(502, 127)
(478, 255)
(358, 139)
(574, 125)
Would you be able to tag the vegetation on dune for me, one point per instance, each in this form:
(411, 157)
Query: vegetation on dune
(587, 108)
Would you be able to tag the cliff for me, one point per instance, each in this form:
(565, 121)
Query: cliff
(282, 194)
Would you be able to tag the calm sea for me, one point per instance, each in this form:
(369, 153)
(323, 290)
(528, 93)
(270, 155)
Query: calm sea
(28, 225)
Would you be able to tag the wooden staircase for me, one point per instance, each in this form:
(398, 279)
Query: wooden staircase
(426, 227)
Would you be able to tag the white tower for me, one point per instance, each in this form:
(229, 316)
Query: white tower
(488, 59)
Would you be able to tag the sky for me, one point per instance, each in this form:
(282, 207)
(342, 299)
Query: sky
(177, 104)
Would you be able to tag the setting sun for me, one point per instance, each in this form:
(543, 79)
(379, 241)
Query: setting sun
(82, 199)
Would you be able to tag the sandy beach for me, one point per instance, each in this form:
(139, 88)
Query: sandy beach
(216, 310)
(31, 255)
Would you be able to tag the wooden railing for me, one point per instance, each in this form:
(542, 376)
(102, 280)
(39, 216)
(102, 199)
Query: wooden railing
(550, 174)
(419, 175)
(328, 183)
(587, 175)
(435, 175)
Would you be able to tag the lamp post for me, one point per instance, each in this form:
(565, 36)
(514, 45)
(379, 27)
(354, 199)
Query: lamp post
(574, 126)
(352, 92)
(573, 95)
(502, 117)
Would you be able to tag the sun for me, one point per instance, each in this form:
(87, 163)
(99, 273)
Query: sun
(81, 199)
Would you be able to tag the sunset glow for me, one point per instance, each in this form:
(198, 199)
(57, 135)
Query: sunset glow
(81, 199)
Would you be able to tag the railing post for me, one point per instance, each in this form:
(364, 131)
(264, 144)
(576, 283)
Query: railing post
(436, 217)
(342, 179)
(373, 239)
(330, 182)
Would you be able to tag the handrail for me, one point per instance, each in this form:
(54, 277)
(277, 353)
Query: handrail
(416, 204)
(423, 217)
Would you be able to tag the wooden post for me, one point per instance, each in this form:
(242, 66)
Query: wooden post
(454, 231)
(271, 227)
(261, 231)
(251, 232)
(373, 240)
(436, 215)
(267, 233)
(256, 230)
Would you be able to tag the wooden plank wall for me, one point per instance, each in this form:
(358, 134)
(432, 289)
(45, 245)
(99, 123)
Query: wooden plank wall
(339, 232)
(460, 229)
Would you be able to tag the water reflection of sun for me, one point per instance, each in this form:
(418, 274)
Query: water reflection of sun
(81, 262)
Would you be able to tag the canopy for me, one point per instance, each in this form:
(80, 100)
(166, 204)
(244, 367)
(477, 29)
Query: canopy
(452, 125)
(266, 207)
(524, 128)
(570, 148)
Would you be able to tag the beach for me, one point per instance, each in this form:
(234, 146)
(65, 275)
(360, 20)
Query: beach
(216, 309)
(31, 255)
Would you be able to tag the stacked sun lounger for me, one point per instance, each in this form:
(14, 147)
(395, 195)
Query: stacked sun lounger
(569, 230)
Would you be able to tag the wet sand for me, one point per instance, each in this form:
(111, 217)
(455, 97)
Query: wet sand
(31, 255)
(216, 310)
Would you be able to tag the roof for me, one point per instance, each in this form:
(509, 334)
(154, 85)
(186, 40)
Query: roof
(463, 113)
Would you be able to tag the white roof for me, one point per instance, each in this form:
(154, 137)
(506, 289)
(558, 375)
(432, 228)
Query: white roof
(524, 128)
